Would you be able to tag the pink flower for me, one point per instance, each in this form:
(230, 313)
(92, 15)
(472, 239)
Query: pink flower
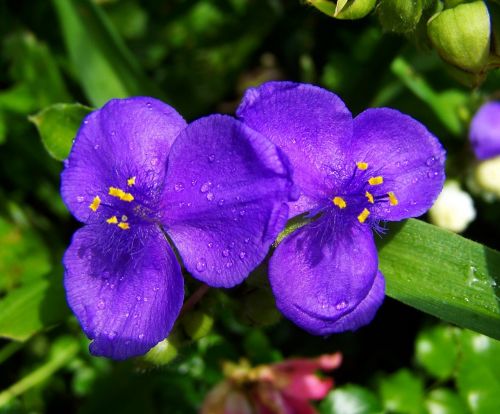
(282, 388)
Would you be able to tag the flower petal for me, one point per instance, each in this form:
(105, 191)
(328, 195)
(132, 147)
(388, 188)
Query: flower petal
(485, 131)
(126, 293)
(311, 125)
(408, 157)
(225, 198)
(318, 279)
(125, 138)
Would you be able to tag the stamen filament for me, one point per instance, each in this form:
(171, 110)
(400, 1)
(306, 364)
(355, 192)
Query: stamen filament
(363, 216)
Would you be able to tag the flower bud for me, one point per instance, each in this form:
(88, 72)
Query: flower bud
(454, 208)
(197, 324)
(163, 352)
(461, 35)
(400, 16)
(344, 9)
(487, 177)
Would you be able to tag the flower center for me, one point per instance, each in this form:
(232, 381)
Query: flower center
(121, 195)
(362, 191)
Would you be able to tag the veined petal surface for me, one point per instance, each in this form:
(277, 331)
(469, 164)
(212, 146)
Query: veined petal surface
(310, 124)
(224, 200)
(125, 287)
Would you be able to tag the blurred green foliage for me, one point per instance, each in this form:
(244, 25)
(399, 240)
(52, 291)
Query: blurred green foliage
(61, 57)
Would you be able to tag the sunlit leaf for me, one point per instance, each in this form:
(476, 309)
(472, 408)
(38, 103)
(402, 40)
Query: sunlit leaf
(350, 399)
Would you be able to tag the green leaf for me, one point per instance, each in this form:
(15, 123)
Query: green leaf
(350, 399)
(58, 125)
(478, 377)
(32, 307)
(101, 61)
(403, 393)
(437, 351)
(444, 401)
(443, 274)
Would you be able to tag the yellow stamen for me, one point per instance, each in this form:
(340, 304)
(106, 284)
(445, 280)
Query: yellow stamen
(124, 226)
(95, 203)
(363, 216)
(369, 196)
(339, 202)
(131, 181)
(122, 195)
(392, 198)
(376, 180)
(112, 220)
(362, 165)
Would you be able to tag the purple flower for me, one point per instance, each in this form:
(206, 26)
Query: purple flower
(485, 131)
(219, 192)
(352, 173)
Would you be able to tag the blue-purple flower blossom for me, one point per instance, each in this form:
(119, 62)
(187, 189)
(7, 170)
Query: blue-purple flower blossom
(485, 131)
(353, 173)
(137, 173)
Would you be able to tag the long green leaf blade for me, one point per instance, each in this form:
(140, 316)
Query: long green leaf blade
(443, 274)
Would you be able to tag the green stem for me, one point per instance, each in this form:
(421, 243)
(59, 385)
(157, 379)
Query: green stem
(8, 350)
(40, 375)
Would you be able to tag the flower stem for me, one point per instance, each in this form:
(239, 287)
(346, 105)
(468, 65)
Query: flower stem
(194, 298)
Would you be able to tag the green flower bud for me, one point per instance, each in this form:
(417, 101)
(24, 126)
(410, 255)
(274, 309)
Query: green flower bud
(344, 9)
(400, 16)
(259, 308)
(197, 324)
(461, 35)
(164, 351)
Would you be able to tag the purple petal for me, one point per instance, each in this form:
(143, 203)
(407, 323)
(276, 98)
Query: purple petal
(408, 157)
(322, 282)
(125, 289)
(311, 125)
(126, 138)
(225, 198)
(485, 131)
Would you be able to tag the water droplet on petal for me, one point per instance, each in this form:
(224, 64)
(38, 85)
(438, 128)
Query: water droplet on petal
(96, 146)
(225, 252)
(80, 199)
(210, 244)
(149, 105)
(242, 255)
(231, 245)
(179, 187)
(242, 213)
(205, 187)
(221, 202)
(430, 161)
(201, 265)
(145, 299)
(112, 335)
(210, 196)
(101, 304)
(247, 239)
(141, 336)
(193, 182)
(154, 161)
(229, 264)
(341, 305)
(138, 298)
(156, 289)
(211, 157)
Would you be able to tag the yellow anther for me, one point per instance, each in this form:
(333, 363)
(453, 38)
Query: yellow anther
(362, 165)
(112, 220)
(96, 202)
(339, 202)
(123, 226)
(122, 195)
(363, 216)
(392, 198)
(369, 196)
(376, 180)
(131, 181)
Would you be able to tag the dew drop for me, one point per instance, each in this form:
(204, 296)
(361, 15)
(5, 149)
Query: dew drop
(145, 299)
(138, 298)
(341, 305)
(86, 122)
(221, 202)
(66, 163)
(96, 146)
(101, 304)
(153, 161)
(210, 244)
(141, 336)
(205, 187)
(432, 174)
(225, 252)
(211, 158)
(136, 315)
(112, 335)
(210, 196)
(242, 255)
(201, 265)
(242, 213)
(231, 245)
(179, 187)
(229, 264)
(156, 289)
(126, 314)
(149, 105)
(430, 161)
(247, 239)
(80, 199)
(193, 182)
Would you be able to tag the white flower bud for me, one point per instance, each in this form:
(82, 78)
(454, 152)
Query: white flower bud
(487, 176)
(454, 209)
